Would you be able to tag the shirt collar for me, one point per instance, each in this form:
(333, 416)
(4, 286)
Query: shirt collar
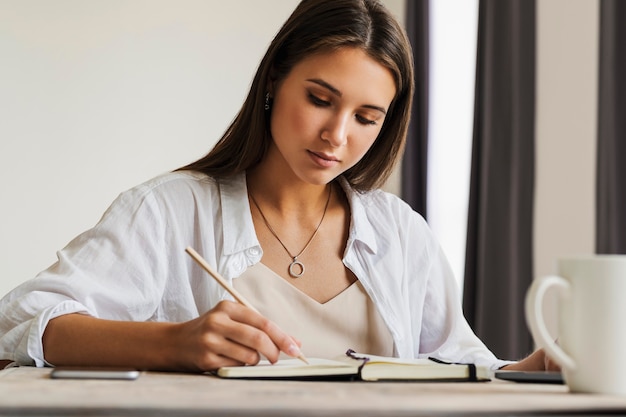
(361, 228)
(238, 228)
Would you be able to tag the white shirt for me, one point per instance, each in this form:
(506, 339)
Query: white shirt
(132, 266)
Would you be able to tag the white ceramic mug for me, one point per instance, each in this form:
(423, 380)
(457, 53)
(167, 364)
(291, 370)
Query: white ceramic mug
(591, 347)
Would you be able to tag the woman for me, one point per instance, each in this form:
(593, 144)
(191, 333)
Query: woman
(285, 206)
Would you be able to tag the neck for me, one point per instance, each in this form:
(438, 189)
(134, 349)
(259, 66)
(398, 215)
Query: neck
(287, 197)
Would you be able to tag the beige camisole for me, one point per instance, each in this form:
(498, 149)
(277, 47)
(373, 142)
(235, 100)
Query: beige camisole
(348, 321)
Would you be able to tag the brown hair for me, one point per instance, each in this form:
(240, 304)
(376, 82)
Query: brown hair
(317, 26)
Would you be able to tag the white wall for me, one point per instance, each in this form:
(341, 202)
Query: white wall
(567, 61)
(566, 130)
(99, 96)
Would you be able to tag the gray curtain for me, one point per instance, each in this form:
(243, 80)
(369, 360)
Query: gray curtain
(611, 162)
(498, 267)
(415, 162)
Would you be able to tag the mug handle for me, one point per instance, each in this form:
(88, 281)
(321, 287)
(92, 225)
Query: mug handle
(536, 323)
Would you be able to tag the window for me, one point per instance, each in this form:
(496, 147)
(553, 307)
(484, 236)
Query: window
(453, 37)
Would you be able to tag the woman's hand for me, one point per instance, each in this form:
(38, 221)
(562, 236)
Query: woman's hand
(549, 364)
(536, 361)
(231, 334)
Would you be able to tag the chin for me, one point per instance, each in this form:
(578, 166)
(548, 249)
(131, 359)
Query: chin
(322, 179)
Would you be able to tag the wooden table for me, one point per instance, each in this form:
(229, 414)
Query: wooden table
(30, 392)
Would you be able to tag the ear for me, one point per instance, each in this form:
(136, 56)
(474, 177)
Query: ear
(270, 87)
(271, 81)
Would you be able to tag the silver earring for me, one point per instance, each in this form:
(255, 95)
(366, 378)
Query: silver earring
(267, 101)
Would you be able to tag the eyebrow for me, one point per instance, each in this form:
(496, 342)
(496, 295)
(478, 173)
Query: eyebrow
(336, 92)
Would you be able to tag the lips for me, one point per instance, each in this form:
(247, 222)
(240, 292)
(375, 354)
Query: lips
(323, 159)
(325, 156)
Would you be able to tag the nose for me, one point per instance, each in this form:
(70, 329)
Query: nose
(335, 131)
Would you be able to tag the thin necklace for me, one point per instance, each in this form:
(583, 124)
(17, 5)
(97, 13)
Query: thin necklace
(295, 263)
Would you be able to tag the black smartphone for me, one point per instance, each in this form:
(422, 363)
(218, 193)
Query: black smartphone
(540, 377)
(90, 372)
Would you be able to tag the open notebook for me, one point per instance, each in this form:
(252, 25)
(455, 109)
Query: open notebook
(357, 366)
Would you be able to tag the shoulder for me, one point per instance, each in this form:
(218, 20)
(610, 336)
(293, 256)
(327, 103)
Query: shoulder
(378, 203)
(174, 187)
(383, 220)
(168, 192)
(176, 181)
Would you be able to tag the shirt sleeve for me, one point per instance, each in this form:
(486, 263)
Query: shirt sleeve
(446, 333)
(398, 259)
(111, 271)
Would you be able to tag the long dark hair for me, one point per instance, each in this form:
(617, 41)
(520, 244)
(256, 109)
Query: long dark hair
(317, 26)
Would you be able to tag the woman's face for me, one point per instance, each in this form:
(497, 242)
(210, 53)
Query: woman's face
(327, 113)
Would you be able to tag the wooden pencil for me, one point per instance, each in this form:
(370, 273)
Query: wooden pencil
(220, 280)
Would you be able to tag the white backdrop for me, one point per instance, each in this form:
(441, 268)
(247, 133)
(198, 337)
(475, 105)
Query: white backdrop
(98, 96)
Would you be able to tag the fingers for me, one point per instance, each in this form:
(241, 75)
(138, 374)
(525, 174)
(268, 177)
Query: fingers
(536, 361)
(549, 364)
(231, 334)
(259, 333)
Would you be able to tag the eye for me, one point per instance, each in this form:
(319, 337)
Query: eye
(364, 120)
(318, 101)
